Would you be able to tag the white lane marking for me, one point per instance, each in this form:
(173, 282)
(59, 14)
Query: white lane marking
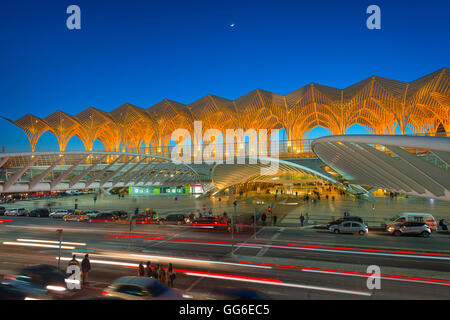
(361, 293)
(50, 241)
(386, 278)
(194, 284)
(37, 245)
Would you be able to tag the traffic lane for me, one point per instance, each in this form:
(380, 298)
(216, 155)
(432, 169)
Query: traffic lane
(329, 283)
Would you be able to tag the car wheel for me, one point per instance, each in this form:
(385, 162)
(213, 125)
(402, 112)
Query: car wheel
(361, 232)
(397, 233)
(425, 234)
(336, 231)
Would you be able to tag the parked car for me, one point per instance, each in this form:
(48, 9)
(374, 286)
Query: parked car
(41, 281)
(120, 214)
(177, 218)
(141, 288)
(39, 213)
(418, 217)
(342, 219)
(91, 213)
(411, 228)
(58, 214)
(2, 211)
(16, 212)
(350, 227)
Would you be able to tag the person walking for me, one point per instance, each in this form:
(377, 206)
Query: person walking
(74, 261)
(302, 218)
(141, 270)
(263, 219)
(85, 268)
(148, 270)
(274, 219)
(170, 274)
(161, 274)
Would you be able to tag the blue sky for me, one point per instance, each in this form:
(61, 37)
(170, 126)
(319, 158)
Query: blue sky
(141, 52)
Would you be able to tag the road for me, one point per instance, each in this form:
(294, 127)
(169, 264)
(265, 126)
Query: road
(282, 263)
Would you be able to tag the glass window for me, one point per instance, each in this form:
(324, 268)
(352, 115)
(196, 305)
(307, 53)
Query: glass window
(348, 224)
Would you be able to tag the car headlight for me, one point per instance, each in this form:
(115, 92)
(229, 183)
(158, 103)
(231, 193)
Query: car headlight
(55, 288)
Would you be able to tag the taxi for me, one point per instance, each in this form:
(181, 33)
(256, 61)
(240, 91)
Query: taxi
(77, 215)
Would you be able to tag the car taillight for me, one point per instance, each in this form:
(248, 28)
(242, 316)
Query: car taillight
(106, 293)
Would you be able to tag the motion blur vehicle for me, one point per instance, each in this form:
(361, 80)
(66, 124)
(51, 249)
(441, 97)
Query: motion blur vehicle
(141, 288)
(39, 213)
(39, 282)
(16, 212)
(350, 227)
(342, 219)
(409, 228)
(8, 292)
(177, 218)
(237, 294)
(58, 214)
(418, 217)
(77, 215)
(104, 216)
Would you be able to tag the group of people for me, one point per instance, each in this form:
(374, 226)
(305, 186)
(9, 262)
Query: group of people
(157, 272)
(85, 266)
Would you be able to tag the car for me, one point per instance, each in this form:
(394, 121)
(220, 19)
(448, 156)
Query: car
(91, 213)
(120, 214)
(74, 192)
(58, 214)
(418, 217)
(141, 288)
(39, 213)
(350, 227)
(177, 218)
(41, 281)
(2, 211)
(342, 219)
(8, 292)
(16, 212)
(237, 294)
(78, 215)
(409, 228)
(104, 216)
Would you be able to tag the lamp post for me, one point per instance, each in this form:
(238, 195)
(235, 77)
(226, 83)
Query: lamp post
(232, 228)
(59, 231)
(254, 222)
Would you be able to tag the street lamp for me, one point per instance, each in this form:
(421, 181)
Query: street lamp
(59, 231)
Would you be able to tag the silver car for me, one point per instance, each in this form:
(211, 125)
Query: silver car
(350, 227)
(141, 288)
(411, 228)
(16, 212)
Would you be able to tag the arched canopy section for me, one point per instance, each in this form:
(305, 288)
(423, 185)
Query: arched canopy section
(63, 126)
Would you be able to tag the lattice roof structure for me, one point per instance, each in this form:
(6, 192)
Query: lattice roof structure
(379, 104)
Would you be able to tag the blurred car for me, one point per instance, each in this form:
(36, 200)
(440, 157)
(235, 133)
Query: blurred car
(237, 294)
(41, 281)
(350, 227)
(16, 212)
(342, 219)
(207, 220)
(104, 216)
(409, 228)
(58, 214)
(177, 218)
(418, 217)
(120, 214)
(39, 213)
(141, 288)
(8, 292)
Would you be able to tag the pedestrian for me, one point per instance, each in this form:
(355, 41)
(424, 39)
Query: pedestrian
(161, 274)
(85, 268)
(148, 270)
(263, 219)
(136, 211)
(210, 212)
(74, 261)
(302, 218)
(170, 276)
(141, 270)
(274, 219)
(443, 225)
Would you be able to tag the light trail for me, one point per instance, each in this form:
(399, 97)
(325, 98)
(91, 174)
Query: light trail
(50, 241)
(37, 245)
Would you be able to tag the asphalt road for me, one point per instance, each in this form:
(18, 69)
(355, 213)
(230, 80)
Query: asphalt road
(283, 263)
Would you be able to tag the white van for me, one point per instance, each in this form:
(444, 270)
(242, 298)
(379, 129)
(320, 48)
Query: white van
(418, 217)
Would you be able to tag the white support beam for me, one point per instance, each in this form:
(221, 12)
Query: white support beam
(41, 176)
(109, 176)
(68, 172)
(85, 172)
(101, 172)
(115, 181)
(18, 174)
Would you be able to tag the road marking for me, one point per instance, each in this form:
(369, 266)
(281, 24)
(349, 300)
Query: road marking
(194, 284)
(262, 252)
